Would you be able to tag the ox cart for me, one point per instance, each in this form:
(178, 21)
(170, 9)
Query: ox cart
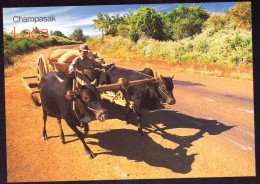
(115, 93)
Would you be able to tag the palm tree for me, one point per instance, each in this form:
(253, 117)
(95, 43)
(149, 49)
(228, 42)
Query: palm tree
(107, 23)
(99, 23)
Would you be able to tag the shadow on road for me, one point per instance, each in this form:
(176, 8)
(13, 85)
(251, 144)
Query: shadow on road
(127, 143)
(186, 83)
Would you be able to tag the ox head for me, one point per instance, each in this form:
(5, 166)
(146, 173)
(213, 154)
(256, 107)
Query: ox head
(165, 89)
(89, 96)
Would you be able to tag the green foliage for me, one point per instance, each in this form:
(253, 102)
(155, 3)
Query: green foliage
(103, 22)
(18, 46)
(148, 21)
(184, 21)
(238, 17)
(178, 24)
(241, 15)
(123, 30)
(216, 22)
(134, 36)
(58, 33)
(226, 47)
(102, 40)
(8, 37)
(77, 35)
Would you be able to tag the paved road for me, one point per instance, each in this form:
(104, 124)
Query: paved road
(222, 112)
(209, 132)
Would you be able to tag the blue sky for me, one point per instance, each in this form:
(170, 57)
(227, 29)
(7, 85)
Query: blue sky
(69, 18)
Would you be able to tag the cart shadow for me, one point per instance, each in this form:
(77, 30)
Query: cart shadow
(127, 143)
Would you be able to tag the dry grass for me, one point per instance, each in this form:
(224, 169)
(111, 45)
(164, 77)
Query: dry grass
(217, 70)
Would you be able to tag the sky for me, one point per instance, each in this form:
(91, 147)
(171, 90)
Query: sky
(69, 18)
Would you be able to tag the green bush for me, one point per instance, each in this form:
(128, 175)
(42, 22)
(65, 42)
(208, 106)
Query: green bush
(226, 47)
(7, 61)
(18, 46)
(8, 37)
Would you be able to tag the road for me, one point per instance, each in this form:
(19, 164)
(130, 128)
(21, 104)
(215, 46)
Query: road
(209, 132)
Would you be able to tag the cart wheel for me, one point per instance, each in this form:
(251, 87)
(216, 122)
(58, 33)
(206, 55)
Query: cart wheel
(41, 66)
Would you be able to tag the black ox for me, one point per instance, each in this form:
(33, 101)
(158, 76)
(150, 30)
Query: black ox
(56, 99)
(147, 96)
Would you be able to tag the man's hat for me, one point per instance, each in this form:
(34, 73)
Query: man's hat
(84, 48)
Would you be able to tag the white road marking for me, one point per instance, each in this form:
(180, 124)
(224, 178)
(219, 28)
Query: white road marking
(244, 131)
(248, 111)
(210, 100)
(240, 145)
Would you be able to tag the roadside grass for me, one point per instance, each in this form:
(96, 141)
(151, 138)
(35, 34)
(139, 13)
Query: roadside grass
(15, 47)
(187, 67)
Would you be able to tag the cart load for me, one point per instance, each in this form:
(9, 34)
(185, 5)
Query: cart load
(61, 59)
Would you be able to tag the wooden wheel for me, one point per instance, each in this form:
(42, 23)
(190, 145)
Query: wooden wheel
(41, 70)
(41, 66)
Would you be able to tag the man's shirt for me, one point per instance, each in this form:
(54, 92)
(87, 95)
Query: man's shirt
(80, 63)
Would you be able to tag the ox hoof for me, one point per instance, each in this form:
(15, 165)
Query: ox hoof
(44, 138)
(62, 141)
(90, 155)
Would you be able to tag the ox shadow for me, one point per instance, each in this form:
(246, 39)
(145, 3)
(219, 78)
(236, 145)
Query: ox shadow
(66, 135)
(127, 143)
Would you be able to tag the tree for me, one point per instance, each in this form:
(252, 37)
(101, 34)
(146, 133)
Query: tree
(126, 25)
(115, 22)
(184, 21)
(107, 23)
(78, 35)
(58, 33)
(148, 21)
(241, 15)
(99, 23)
(36, 30)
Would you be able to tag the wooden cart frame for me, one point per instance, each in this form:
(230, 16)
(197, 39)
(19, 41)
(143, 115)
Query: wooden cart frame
(115, 93)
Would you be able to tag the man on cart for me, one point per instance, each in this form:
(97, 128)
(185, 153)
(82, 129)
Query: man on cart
(83, 62)
(84, 75)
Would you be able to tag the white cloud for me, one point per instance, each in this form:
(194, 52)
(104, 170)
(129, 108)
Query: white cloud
(8, 10)
(84, 22)
(92, 32)
(121, 13)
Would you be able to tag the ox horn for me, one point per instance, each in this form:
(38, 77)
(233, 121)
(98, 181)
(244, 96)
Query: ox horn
(58, 78)
(160, 78)
(155, 74)
(172, 76)
(94, 82)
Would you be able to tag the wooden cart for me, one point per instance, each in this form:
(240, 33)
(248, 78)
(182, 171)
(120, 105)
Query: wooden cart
(115, 93)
